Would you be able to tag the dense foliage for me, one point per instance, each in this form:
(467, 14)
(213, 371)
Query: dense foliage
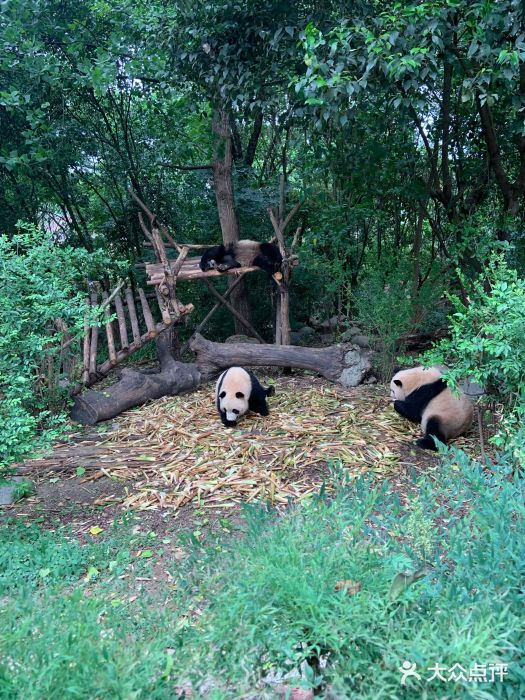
(487, 339)
(40, 284)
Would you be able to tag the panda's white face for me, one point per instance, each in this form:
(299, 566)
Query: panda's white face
(233, 405)
(397, 392)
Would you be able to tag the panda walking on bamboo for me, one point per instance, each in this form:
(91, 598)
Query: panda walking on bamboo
(421, 395)
(239, 391)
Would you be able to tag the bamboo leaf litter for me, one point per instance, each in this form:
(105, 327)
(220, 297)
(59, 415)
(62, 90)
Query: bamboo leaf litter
(175, 450)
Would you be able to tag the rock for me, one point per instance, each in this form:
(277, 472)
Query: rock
(358, 364)
(296, 338)
(241, 339)
(329, 324)
(306, 331)
(371, 380)
(7, 492)
(347, 335)
(7, 495)
(471, 389)
(362, 340)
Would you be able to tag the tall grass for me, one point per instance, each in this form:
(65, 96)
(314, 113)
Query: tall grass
(241, 616)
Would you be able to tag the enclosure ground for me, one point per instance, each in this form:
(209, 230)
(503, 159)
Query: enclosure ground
(172, 458)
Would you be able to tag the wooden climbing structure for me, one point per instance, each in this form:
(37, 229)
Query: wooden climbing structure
(132, 312)
(133, 324)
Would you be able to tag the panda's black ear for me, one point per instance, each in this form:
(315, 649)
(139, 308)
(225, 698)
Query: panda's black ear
(398, 382)
(397, 369)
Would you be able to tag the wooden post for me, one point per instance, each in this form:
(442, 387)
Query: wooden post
(94, 340)
(109, 331)
(132, 315)
(87, 334)
(146, 311)
(166, 317)
(282, 311)
(124, 342)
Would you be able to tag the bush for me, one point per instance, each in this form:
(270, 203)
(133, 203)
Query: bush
(39, 283)
(487, 338)
(384, 309)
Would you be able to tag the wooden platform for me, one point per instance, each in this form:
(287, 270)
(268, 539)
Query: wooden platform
(190, 270)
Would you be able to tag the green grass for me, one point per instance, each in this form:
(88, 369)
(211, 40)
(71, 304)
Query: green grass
(247, 609)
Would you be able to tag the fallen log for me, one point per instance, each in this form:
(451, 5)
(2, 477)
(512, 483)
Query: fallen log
(346, 364)
(135, 388)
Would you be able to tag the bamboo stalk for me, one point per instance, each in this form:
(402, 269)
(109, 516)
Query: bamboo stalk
(146, 311)
(124, 342)
(109, 331)
(132, 315)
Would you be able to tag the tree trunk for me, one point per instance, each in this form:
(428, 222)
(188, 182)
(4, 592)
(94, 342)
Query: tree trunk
(346, 364)
(223, 186)
(135, 388)
(416, 270)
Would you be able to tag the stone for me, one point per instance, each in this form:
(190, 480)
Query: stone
(358, 364)
(350, 332)
(329, 324)
(472, 389)
(239, 338)
(371, 380)
(362, 340)
(306, 330)
(7, 491)
(296, 338)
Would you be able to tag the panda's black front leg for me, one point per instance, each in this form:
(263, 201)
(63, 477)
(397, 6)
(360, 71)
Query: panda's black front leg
(258, 404)
(408, 410)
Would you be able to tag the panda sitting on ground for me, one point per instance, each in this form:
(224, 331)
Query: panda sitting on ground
(243, 253)
(237, 392)
(422, 396)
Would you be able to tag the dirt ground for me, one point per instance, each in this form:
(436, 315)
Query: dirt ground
(173, 465)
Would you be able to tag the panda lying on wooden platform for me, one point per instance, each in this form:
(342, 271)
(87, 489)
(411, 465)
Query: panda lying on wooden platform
(239, 391)
(422, 396)
(243, 253)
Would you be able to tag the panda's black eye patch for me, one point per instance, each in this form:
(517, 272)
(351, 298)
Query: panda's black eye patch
(239, 395)
(235, 411)
(222, 394)
(398, 382)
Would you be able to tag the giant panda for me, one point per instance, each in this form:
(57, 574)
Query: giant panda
(421, 395)
(243, 253)
(237, 392)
